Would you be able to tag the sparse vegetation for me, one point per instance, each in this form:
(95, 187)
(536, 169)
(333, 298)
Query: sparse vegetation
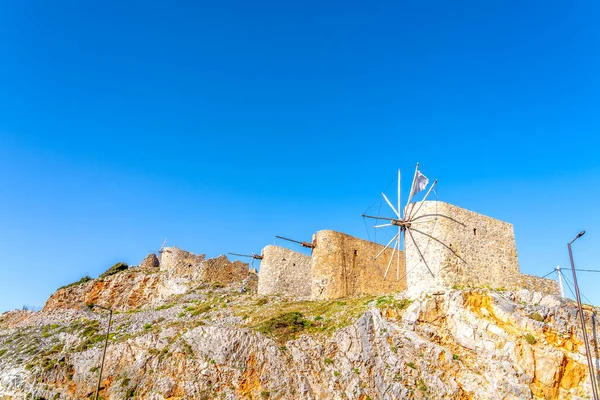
(284, 326)
(79, 282)
(262, 301)
(389, 302)
(322, 317)
(118, 267)
(165, 306)
(422, 386)
(411, 365)
(187, 349)
(455, 357)
(328, 361)
(198, 309)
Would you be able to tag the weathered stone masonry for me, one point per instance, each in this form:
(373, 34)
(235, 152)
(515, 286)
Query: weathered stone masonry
(340, 266)
(284, 272)
(343, 265)
(445, 246)
(449, 245)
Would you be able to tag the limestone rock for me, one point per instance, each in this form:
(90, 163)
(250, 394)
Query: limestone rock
(191, 339)
(150, 262)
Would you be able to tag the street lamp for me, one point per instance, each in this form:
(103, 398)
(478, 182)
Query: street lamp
(105, 344)
(582, 319)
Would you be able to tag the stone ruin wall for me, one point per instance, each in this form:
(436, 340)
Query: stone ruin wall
(533, 284)
(153, 281)
(221, 270)
(179, 263)
(459, 247)
(343, 265)
(284, 272)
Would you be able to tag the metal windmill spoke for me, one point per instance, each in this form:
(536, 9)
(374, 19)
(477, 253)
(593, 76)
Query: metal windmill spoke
(386, 246)
(391, 259)
(420, 254)
(440, 242)
(390, 204)
(381, 226)
(398, 256)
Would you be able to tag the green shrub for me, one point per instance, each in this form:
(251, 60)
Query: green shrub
(79, 282)
(455, 357)
(402, 304)
(262, 301)
(536, 317)
(284, 326)
(422, 386)
(118, 267)
(529, 338)
(328, 361)
(411, 365)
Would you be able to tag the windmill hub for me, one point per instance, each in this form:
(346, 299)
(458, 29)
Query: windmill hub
(399, 222)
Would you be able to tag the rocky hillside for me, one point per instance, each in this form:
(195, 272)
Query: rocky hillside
(191, 328)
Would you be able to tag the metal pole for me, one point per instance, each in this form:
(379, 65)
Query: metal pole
(399, 197)
(582, 319)
(390, 204)
(424, 198)
(104, 351)
(560, 282)
(410, 194)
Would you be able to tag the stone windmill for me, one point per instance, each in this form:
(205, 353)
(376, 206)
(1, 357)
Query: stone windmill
(404, 218)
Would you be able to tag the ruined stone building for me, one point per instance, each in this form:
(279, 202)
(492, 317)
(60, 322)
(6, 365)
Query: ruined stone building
(446, 246)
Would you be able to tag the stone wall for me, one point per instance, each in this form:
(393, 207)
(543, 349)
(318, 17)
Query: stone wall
(223, 271)
(532, 283)
(177, 263)
(448, 245)
(180, 263)
(343, 265)
(285, 272)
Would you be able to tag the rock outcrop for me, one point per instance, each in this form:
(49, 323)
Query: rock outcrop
(212, 342)
(153, 281)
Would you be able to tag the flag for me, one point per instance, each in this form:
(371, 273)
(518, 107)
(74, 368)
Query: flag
(419, 184)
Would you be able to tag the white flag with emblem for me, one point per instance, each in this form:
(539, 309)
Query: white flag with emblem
(419, 184)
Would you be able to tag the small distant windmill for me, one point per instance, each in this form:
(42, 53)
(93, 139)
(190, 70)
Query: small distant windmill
(404, 218)
(162, 248)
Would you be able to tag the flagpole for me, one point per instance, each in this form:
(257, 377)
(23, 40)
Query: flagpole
(410, 195)
(399, 211)
(425, 198)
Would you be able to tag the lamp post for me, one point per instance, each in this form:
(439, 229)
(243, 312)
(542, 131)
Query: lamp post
(105, 345)
(582, 319)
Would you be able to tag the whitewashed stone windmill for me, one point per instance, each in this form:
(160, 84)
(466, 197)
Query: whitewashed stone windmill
(405, 218)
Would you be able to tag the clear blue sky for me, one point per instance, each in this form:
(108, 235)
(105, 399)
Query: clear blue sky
(221, 124)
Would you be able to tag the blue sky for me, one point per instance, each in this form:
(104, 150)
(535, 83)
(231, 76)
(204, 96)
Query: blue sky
(221, 124)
